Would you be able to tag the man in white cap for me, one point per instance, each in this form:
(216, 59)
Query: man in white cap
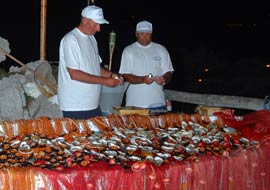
(147, 66)
(80, 74)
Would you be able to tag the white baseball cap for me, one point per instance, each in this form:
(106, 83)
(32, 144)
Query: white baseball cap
(95, 13)
(144, 26)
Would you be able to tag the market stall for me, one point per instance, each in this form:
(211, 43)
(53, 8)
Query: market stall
(224, 152)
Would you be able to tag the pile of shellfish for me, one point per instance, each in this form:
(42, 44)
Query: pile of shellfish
(123, 140)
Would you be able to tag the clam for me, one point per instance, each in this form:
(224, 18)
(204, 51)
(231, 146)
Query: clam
(158, 160)
(134, 158)
(24, 147)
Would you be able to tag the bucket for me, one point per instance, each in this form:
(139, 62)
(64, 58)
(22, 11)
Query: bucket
(111, 97)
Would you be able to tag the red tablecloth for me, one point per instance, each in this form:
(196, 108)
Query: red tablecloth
(244, 169)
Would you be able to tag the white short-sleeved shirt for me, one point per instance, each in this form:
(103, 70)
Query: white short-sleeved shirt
(141, 60)
(78, 51)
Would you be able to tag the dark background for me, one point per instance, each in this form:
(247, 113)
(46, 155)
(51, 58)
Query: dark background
(230, 41)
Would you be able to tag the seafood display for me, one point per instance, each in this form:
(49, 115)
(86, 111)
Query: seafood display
(122, 140)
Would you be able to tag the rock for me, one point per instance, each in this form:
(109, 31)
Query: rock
(22, 98)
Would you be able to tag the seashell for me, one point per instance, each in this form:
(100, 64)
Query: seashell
(244, 140)
(253, 142)
(190, 123)
(184, 124)
(121, 153)
(205, 129)
(42, 142)
(76, 148)
(177, 134)
(145, 141)
(11, 161)
(130, 132)
(113, 146)
(163, 135)
(61, 152)
(196, 126)
(172, 129)
(116, 139)
(36, 155)
(215, 142)
(229, 129)
(97, 154)
(187, 134)
(184, 142)
(149, 158)
(66, 151)
(95, 143)
(219, 136)
(122, 158)
(134, 158)
(169, 144)
(178, 158)
(61, 139)
(110, 152)
(158, 160)
(24, 147)
(84, 163)
(47, 157)
(133, 140)
(125, 140)
(76, 143)
(131, 148)
(210, 136)
(171, 139)
(103, 142)
(190, 149)
(206, 140)
(167, 148)
(142, 134)
(83, 138)
(236, 142)
(77, 154)
(196, 139)
(35, 138)
(146, 148)
(166, 155)
(42, 153)
(119, 134)
(6, 146)
(33, 144)
(3, 157)
(214, 130)
(15, 143)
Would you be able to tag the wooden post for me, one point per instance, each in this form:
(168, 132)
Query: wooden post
(43, 27)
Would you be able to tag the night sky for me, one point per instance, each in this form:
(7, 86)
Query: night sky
(227, 46)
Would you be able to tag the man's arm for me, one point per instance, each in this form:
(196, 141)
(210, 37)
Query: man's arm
(92, 79)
